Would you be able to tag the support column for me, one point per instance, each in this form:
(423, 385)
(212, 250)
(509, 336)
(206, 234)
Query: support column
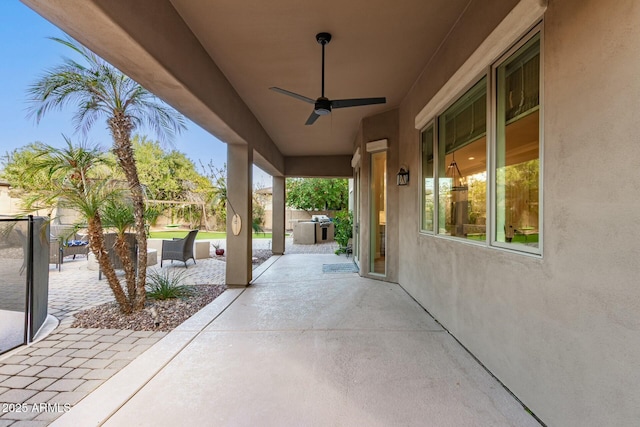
(239, 191)
(278, 212)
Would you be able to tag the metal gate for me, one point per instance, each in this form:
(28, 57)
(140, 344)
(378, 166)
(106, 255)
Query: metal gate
(24, 279)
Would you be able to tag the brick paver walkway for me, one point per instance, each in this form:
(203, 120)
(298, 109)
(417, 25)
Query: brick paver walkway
(43, 380)
(38, 383)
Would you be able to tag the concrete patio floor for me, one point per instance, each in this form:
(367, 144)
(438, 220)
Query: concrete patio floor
(303, 347)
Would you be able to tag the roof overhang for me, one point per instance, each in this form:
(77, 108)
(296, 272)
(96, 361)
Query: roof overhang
(215, 60)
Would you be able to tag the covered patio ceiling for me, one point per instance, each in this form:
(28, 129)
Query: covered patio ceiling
(379, 48)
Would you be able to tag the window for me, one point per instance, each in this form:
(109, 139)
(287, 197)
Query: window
(462, 165)
(428, 203)
(456, 171)
(517, 155)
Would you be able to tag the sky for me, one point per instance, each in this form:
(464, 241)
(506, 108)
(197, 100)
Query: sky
(25, 54)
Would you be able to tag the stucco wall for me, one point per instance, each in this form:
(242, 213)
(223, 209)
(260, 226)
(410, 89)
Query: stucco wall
(562, 331)
(8, 205)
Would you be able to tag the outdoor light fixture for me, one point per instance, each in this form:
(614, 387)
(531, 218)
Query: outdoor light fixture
(403, 176)
(458, 183)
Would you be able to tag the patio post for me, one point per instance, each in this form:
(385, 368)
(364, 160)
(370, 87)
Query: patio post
(239, 205)
(278, 212)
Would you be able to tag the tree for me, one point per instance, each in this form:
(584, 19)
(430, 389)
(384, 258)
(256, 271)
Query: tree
(344, 229)
(171, 176)
(317, 193)
(79, 180)
(257, 215)
(14, 165)
(517, 192)
(118, 215)
(99, 90)
(166, 175)
(218, 189)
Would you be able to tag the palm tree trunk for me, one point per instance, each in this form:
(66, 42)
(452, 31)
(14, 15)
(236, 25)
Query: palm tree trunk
(96, 242)
(123, 250)
(121, 126)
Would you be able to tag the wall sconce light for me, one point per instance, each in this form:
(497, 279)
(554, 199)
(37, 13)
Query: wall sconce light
(403, 176)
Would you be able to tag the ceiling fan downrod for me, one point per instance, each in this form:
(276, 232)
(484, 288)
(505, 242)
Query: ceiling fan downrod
(323, 39)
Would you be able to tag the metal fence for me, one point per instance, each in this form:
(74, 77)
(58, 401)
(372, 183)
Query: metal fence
(24, 279)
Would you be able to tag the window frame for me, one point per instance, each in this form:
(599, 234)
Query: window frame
(493, 242)
(464, 92)
(372, 248)
(490, 72)
(431, 124)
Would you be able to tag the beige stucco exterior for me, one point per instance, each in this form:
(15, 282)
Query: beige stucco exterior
(8, 205)
(560, 329)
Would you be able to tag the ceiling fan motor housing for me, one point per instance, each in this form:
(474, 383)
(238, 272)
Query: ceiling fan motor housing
(323, 38)
(322, 106)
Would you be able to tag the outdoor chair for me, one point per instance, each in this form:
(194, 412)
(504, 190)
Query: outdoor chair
(75, 247)
(110, 241)
(179, 249)
(55, 255)
(71, 243)
(348, 249)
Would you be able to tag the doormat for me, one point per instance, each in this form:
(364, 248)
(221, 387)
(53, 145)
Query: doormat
(343, 267)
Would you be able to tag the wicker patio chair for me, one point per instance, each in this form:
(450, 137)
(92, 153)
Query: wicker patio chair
(110, 241)
(73, 247)
(71, 242)
(179, 249)
(55, 255)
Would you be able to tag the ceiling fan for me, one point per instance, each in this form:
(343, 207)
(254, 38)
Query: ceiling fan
(323, 105)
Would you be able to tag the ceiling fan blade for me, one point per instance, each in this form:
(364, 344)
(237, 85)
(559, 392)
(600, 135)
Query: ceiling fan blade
(294, 95)
(356, 102)
(312, 118)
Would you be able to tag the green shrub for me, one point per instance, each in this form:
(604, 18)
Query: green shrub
(165, 285)
(344, 228)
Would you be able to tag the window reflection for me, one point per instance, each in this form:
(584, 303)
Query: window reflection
(517, 142)
(462, 159)
(427, 177)
(378, 211)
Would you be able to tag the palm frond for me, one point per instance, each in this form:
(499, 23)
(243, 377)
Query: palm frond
(161, 119)
(88, 55)
(118, 214)
(98, 90)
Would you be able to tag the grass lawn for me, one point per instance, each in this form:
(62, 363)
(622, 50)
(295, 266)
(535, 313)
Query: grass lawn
(202, 235)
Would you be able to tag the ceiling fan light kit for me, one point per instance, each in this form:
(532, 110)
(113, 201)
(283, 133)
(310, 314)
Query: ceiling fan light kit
(323, 105)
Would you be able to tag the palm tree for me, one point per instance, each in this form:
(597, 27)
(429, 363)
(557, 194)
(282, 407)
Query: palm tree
(118, 215)
(81, 181)
(218, 190)
(99, 90)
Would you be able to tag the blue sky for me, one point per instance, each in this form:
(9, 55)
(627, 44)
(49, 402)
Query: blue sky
(25, 53)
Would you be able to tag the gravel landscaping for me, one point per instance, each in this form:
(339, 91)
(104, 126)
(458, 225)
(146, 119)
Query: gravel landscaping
(158, 315)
